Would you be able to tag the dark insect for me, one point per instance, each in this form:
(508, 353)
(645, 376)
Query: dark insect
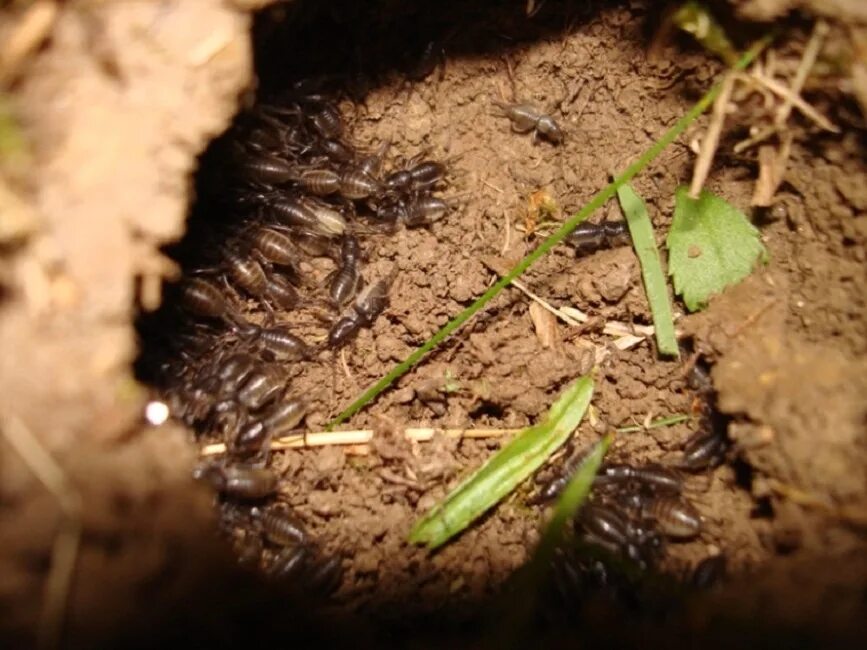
(371, 164)
(674, 517)
(425, 175)
(280, 527)
(263, 386)
(345, 280)
(368, 305)
(327, 122)
(281, 343)
(354, 184)
(320, 182)
(526, 118)
(281, 292)
(239, 481)
(709, 572)
(336, 150)
(203, 298)
(286, 416)
(273, 246)
(266, 170)
(591, 237)
(655, 477)
(247, 274)
(287, 563)
(703, 450)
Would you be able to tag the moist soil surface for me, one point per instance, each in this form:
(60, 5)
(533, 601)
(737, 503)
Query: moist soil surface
(787, 346)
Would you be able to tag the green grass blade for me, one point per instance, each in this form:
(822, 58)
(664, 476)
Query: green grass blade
(595, 203)
(504, 470)
(651, 269)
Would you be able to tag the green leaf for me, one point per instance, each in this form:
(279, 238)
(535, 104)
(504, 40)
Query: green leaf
(504, 470)
(651, 269)
(712, 245)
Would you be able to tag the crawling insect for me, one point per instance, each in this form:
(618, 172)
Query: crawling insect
(709, 572)
(281, 292)
(323, 577)
(272, 246)
(653, 476)
(239, 481)
(287, 563)
(355, 184)
(203, 298)
(327, 121)
(280, 526)
(262, 387)
(246, 273)
(266, 170)
(526, 118)
(252, 438)
(704, 449)
(371, 164)
(345, 280)
(321, 182)
(612, 529)
(675, 517)
(280, 343)
(591, 237)
(368, 305)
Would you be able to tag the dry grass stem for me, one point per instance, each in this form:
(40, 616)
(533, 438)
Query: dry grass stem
(710, 142)
(64, 554)
(362, 437)
(808, 60)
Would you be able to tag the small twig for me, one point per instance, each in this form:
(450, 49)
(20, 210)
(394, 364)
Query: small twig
(811, 52)
(710, 142)
(64, 553)
(772, 169)
(362, 437)
(760, 136)
(507, 240)
(655, 424)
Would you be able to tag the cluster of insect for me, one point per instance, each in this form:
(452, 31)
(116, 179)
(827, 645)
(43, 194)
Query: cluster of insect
(286, 187)
(634, 511)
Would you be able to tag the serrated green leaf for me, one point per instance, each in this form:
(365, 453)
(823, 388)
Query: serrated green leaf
(504, 470)
(655, 286)
(711, 245)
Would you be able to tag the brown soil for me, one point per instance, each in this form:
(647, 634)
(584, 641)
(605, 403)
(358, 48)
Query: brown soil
(788, 345)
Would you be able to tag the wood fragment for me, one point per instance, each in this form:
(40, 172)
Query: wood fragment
(772, 170)
(545, 324)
